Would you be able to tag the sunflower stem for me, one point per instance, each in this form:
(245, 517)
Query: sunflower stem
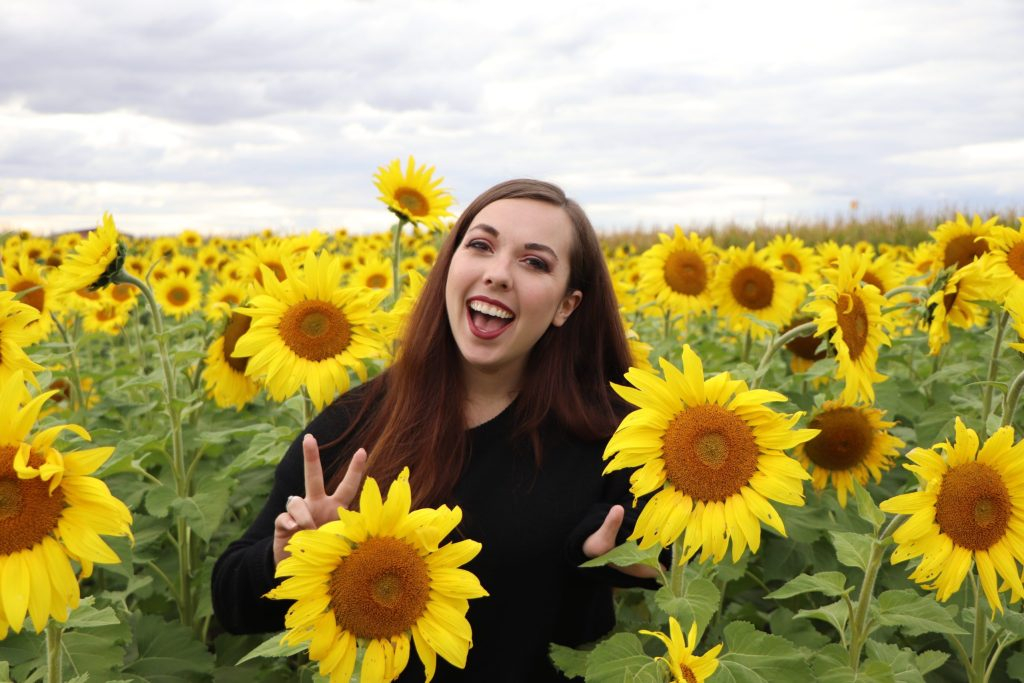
(993, 369)
(775, 345)
(54, 663)
(678, 570)
(977, 670)
(746, 347)
(1012, 395)
(912, 289)
(396, 256)
(76, 376)
(858, 627)
(668, 324)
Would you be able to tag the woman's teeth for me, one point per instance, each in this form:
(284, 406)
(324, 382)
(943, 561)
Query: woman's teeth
(488, 309)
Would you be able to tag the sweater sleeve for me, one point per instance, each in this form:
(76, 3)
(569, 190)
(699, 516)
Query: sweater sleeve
(244, 572)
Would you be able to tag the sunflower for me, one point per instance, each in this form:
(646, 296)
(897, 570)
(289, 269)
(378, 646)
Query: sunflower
(26, 278)
(969, 508)
(750, 283)
(680, 660)
(414, 195)
(960, 243)
(677, 272)
(374, 577)
(271, 254)
(15, 319)
(851, 444)
(95, 261)
(806, 349)
(1004, 263)
(852, 311)
(954, 302)
(373, 273)
(795, 257)
(715, 451)
(51, 512)
(222, 297)
(224, 375)
(178, 295)
(108, 318)
(309, 331)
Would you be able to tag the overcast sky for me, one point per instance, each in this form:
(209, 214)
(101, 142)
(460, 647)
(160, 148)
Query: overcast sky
(234, 116)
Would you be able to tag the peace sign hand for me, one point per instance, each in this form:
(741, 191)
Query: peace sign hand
(317, 507)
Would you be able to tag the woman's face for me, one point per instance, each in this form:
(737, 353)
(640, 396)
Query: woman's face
(507, 282)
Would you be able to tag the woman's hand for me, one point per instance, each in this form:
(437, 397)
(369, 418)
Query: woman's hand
(603, 540)
(316, 508)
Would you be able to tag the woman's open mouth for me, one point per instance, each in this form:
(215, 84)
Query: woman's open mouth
(487, 320)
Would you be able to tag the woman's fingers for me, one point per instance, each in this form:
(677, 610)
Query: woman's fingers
(284, 528)
(603, 540)
(348, 489)
(300, 513)
(313, 470)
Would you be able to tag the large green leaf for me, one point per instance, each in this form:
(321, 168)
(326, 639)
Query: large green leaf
(832, 665)
(621, 659)
(273, 647)
(571, 662)
(836, 614)
(755, 657)
(166, 652)
(626, 554)
(853, 550)
(914, 614)
(902, 662)
(699, 602)
(832, 584)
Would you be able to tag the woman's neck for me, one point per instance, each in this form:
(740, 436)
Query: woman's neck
(488, 392)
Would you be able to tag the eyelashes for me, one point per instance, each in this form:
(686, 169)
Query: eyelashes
(534, 262)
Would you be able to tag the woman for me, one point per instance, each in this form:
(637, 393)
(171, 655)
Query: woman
(499, 402)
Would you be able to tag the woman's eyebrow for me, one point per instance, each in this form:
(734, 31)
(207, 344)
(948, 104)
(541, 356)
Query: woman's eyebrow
(533, 246)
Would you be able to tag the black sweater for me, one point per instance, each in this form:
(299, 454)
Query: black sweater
(531, 523)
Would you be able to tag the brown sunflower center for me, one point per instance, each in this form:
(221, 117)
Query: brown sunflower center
(710, 452)
(315, 330)
(962, 250)
(870, 278)
(853, 321)
(377, 281)
(752, 287)
(28, 513)
(122, 292)
(276, 267)
(686, 273)
(805, 347)
(236, 327)
(791, 263)
(106, 314)
(88, 294)
(179, 296)
(844, 442)
(381, 589)
(412, 201)
(1015, 259)
(36, 298)
(688, 674)
(973, 506)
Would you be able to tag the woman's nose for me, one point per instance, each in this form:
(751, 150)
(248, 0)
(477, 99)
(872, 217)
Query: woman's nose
(497, 275)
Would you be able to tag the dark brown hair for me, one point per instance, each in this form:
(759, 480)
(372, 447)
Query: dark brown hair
(413, 414)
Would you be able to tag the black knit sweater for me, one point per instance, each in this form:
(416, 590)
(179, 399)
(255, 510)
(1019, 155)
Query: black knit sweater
(531, 523)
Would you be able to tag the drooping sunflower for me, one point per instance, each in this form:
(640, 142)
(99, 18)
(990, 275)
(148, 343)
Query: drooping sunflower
(15, 319)
(414, 195)
(954, 302)
(26, 279)
(676, 273)
(683, 665)
(309, 331)
(750, 283)
(852, 312)
(94, 262)
(224, 375)
(960, 243)
(852, 444)
(51, 512)
(714, 450)
(969, 509)
(373, 578)
(178, 295)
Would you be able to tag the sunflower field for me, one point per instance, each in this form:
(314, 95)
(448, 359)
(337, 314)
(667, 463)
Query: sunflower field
(822, 447)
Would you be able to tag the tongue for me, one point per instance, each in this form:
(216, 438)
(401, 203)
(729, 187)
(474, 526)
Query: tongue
(488, 323)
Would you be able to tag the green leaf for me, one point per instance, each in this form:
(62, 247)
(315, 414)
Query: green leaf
(272, 647)
(166, 651)
(621, 659)
(866, 507)
(800, 632)
(832, 584)
(832, 665)
(902, 663)
(853, 550)
(98, 650)
(835, 614)
(1011, 621)
(626, 554)
(698, 603)
(206, 507)
(914, 614)
(1015, 666)
(87, 616)
(756, 657)
(159, 499)
(571, 662)
(930, 660)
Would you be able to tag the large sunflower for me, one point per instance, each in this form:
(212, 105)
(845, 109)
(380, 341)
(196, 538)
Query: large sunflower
(683, 665)
(715, 452)
(1004, 263)
(15, 319)
(308, 331)
(413, 195)
(969, 509)
(26, 279)
(750, 283)
(178, 295)
(795, 257)
(676, 273)
(852, 312)
(954, 302)
(852, 444)
(95, 261)
(375, 577)
(51, 512)
(960, 243)
(224, 375)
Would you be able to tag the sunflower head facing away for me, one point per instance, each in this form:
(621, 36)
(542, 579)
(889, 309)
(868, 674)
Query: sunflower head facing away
(414, 195)
(683, 665)
(969, 509)
(95, 261)
(375, 578)
(714, 450)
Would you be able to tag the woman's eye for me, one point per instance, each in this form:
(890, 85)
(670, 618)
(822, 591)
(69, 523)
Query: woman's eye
(538, 263)
(477, 244)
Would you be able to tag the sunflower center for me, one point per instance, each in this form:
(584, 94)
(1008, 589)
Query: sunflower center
(1015, 259)
(178, 296)
(412, 202)
(791, 263)
(805, 347)
(973, 506)
(687, 672)
(233, 331)
(35, 298)
(381, 589)
(88, 294)
(27, 510)
(276, 267)
(752, 287)
(315, 330)
(845, 439)
(377, 281)
(121, 292)
(872, 279)
(686, 273)
(853, 321)
(710, 452)
(962, 250)
(106, 314)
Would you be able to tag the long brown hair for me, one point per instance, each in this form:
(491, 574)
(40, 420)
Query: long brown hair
(413, 414)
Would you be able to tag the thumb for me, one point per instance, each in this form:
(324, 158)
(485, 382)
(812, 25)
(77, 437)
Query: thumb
(603, 540)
